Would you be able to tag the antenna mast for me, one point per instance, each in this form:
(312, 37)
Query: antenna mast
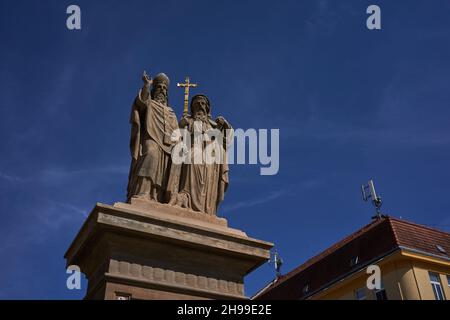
(277, 261)
(368, 191)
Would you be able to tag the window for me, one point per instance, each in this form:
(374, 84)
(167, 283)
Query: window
(360, 294)
(123, 296)
(354, 261)
(440, 249)
(380, 294)
(305, 289)
(448, 280)
(436, 285)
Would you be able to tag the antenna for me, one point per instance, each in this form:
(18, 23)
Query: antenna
(368, 191)
(277, 261)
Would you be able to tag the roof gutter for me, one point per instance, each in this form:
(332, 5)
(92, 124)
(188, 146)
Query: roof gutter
(424, 253)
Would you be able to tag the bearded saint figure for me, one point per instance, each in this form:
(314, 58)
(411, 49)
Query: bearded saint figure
(152, 124)
(202, 184)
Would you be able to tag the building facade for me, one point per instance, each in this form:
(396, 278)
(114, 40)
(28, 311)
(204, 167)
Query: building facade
(413, 261)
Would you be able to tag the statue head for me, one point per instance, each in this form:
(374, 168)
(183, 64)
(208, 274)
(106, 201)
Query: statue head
(200, 107)
(160, 88)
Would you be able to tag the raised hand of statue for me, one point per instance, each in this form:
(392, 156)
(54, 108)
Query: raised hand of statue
(222, 123)
(146, 78)
(184, 121)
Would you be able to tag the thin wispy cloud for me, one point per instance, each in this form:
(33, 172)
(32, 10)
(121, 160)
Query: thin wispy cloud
(255, 202)
(323, 130)
(51, 105)
(399, 118)
(323, 19)
(43, 218)
(70, 208)
(59, 174)
(64, 173)
(303, 185)
(9, 177)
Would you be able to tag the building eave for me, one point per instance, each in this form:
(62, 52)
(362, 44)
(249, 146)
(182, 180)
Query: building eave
(351, 273)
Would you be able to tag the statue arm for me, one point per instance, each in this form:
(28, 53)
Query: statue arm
(144, 93)
(227, 130)
(136, 115)
(222, 123)
(143, 97)
(185, 121)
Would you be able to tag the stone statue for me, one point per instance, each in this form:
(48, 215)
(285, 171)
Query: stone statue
(202, 185)
(152, 124)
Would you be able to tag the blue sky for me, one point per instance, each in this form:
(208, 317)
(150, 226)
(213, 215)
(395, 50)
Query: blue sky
(351, 104)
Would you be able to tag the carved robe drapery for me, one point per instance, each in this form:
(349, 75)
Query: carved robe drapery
(202, 185)
(152, 124)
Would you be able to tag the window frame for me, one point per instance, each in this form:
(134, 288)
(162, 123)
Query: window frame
(382, 289)
(363, 290)
(435, 285)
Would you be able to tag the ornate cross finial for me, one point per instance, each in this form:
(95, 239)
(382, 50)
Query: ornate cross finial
(186, 86)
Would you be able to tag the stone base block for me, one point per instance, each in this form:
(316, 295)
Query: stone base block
(148, 250)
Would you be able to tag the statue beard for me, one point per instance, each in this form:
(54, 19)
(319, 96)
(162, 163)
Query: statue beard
(200, 117)
(160, 97)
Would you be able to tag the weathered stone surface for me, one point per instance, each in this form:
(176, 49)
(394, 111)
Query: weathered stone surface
(128, 251)
(152, 124)
(154, 174)
(156, 208)
(202, 185)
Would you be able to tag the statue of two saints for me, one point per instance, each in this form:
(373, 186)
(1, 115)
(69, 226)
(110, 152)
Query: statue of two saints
(196, 185)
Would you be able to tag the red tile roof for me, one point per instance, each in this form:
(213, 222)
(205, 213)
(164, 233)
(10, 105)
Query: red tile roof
(370, 243)
(422, 238)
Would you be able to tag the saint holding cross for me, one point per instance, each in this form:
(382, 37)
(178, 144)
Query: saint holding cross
(203, 183)
(154, 175)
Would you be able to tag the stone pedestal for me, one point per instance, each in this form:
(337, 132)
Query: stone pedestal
(148, 250)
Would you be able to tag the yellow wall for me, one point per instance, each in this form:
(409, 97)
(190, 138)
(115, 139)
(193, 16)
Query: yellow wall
(404, 276)
(421, 270)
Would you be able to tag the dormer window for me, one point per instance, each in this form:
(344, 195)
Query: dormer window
(441, 249)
